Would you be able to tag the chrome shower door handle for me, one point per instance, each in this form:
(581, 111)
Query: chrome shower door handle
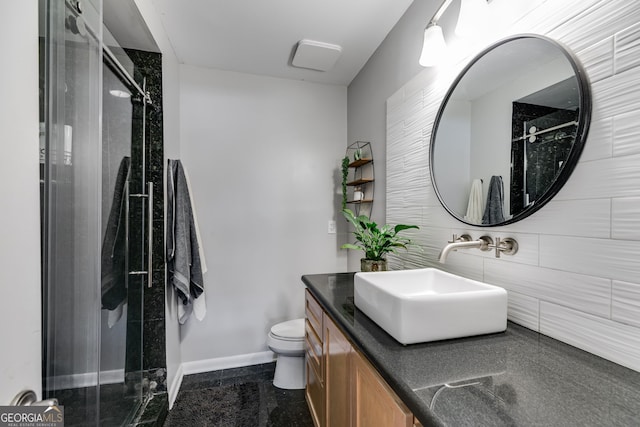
(149, 233)
(29, 398)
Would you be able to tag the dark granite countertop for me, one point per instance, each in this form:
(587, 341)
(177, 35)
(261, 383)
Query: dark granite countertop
(514, 378)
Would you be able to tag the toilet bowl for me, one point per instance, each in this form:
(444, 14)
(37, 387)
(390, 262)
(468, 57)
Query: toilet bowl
(286, 339)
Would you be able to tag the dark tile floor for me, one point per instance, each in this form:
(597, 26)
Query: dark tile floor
(238, 397)
(115, 405)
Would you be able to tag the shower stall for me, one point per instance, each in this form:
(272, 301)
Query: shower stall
(96, 217)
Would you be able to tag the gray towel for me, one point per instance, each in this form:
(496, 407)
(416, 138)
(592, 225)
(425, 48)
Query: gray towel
(494, 211)
(183, 256)
(113, 255)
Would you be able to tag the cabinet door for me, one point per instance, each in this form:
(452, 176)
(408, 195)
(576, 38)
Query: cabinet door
(338, 354)
(315, 393)
(374, 404)
(314, 361)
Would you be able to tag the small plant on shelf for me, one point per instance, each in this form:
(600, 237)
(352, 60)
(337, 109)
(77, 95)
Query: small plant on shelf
(376, 242)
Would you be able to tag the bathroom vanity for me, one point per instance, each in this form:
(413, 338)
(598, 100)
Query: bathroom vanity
(359, 375)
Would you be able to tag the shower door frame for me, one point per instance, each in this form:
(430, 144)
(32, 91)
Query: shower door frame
(54, 115)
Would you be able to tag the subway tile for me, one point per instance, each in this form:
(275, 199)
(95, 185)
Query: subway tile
(463, 264)
(586, 293)
(551, 15)
(626, 134)
(395, 134)
(432, 239)
(523, 310)
(527, 243)
(601, 18)
(616, 95)
(626, 303)
(559, 217)
(625, 221)
(598, 60)
(599, 143)
(436, 216)
(627, 48)
(397, 214)
(612, 340)
(410, 107)
(615, 177)
(613, 259)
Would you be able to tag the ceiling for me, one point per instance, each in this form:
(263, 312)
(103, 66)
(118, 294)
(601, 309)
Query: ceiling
(259, 36)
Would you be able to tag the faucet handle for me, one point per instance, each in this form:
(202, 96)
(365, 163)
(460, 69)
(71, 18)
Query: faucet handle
(508, 246)
(463, 238)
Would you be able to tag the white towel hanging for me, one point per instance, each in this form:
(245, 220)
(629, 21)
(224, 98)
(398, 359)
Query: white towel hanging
(476, 205)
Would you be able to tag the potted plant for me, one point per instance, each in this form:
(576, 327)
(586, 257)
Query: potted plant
(376, 242)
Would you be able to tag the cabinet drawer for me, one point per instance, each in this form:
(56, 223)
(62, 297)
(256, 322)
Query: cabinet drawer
(314, 349)
(313, 312)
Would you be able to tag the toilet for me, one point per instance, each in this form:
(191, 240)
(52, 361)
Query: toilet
(286, 339)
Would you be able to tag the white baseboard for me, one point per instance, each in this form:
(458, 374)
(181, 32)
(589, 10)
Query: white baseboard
(86, 379)
(208, 365)
(239, 361)
(174, 387)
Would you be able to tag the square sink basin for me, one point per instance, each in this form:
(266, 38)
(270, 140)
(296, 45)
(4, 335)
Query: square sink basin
(428, 304)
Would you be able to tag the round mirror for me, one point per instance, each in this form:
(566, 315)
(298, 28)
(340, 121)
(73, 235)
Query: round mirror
(509, 131)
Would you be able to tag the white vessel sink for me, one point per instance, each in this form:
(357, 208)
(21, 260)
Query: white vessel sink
(428, 304)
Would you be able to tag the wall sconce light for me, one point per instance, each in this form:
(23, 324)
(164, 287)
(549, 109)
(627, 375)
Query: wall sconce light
(471, 14)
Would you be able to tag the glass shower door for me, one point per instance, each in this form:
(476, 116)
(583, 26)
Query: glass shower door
(121, 390)
(71, 60)
(93, 213)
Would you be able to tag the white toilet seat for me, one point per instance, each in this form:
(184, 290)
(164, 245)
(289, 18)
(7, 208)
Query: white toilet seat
(287, 337)
(292, 330)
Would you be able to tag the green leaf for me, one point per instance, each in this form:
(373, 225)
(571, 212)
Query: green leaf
(352, 246)
(401, 227)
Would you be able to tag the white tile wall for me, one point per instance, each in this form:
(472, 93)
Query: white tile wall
(626, 303)
(626, 133)
(577, 275)
(612, 340)
(626, 218)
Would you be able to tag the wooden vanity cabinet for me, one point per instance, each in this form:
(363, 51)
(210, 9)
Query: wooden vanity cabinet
(314, 360)
(374, 404)
(338, 353)
(343, 389)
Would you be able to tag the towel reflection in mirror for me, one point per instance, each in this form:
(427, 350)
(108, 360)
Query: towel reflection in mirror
(493, 211)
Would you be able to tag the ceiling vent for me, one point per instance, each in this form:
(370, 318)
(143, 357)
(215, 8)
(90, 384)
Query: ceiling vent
(316, 55)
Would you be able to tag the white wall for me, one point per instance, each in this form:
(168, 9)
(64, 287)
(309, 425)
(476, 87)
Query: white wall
(392, 65)
(171, 122)
(20, 358)
(455, 128)
(576, 276)
(263, 156)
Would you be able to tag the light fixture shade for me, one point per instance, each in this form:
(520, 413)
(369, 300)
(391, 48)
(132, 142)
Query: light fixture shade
(433, 47)
(472, 16)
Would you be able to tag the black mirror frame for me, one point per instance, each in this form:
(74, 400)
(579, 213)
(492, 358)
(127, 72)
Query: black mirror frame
(584, 121)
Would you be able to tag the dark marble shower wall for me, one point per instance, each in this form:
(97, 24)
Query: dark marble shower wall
(543, 158)
(149, 65)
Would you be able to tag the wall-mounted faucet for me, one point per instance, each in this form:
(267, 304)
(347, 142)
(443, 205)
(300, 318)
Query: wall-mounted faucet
(484, 243)
(507, 246)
